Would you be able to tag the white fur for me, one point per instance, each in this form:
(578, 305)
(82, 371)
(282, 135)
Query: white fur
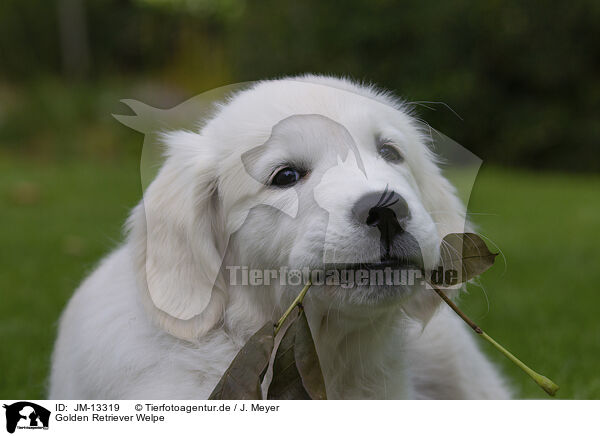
(156, 318)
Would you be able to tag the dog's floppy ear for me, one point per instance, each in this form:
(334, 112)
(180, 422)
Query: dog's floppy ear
(173, 235)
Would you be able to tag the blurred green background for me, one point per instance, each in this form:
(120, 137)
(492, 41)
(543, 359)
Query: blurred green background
(524, 77)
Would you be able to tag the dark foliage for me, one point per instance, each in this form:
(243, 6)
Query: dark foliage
(524, 76)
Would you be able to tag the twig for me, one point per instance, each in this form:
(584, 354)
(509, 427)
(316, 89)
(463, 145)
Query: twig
(296, 302)
(544, 382)
(459, 312)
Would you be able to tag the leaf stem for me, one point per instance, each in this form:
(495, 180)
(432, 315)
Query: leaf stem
(544, 382)
(297, 301)
(459, 312)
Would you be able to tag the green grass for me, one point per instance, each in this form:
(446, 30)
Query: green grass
(58, 219)
(543, 303)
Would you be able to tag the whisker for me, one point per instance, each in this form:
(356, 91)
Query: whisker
(392, 203)
(381, 201)
(497, 248)
(478, 284)
(389, 197)
(421, 103)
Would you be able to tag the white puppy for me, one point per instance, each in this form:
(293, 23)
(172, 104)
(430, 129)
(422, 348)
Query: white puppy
(306, 172)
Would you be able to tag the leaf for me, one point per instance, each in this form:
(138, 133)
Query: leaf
(465, 253)
(242, 379)
(296, 369)
(307, 360)
(286, 383)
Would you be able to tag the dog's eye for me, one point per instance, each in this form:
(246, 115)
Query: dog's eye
(390, 153)
(286, 177)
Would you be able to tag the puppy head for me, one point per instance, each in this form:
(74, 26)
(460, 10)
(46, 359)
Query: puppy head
(304, 173)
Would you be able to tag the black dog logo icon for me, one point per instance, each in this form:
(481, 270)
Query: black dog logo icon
(26, 415)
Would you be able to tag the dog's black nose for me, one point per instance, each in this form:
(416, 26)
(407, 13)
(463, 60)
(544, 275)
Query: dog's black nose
(384, 218)
(387, 210)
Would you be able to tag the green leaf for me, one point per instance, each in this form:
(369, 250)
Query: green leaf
(243, 378)
(467, 254)
(296, 369)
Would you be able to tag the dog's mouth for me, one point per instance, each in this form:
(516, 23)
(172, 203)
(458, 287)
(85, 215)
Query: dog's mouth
(393, 263)
(379, 282)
